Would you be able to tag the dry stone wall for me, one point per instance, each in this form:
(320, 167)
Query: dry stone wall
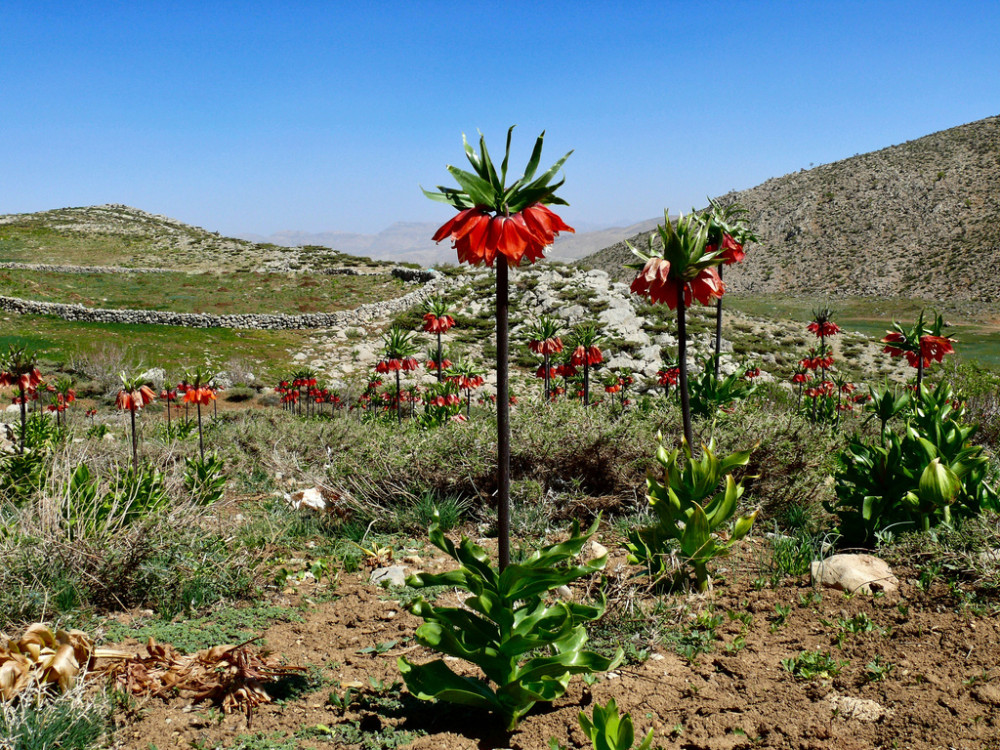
(359, 315)
(78, 269)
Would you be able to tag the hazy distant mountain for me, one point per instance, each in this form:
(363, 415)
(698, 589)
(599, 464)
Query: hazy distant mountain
(411, 242)
(920, 219)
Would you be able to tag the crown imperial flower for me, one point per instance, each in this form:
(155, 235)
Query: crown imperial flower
(495, 219)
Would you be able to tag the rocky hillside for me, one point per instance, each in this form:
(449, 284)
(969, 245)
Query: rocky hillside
(921, 219)
(114, 234)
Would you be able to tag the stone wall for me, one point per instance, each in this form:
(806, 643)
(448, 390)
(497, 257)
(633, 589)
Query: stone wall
(359, 315)
(78, 269)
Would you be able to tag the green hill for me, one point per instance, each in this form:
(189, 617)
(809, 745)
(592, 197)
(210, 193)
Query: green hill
(121, 235)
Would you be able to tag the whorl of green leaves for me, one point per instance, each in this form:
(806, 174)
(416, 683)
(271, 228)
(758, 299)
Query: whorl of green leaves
(586, 335)
(438, 306)
(527, 646)
(731, 219)
(546, 327)
(690, 505)
(486, 188)
(398, 343)
(18, 361)
(912, 335)
(683, 245)
(886, 404)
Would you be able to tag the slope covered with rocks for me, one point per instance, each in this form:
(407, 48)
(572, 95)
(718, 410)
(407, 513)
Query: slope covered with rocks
(920, 219)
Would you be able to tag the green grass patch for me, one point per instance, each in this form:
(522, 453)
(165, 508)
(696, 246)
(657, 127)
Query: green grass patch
(217, 293)
(58, 341)
(975, 325)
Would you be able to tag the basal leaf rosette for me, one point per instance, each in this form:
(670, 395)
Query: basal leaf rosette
(685, 258)
(691, 505)
(496, 219)
(526, 643)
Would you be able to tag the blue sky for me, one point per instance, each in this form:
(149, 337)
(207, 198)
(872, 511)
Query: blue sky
(262, 117)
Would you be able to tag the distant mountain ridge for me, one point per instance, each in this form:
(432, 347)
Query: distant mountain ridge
(919, 219)
(411, 242)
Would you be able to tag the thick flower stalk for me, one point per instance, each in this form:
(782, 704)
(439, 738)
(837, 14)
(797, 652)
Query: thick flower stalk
(921, 344)
(729, 229)
(682, 269)
(504, 225)
(132, 396)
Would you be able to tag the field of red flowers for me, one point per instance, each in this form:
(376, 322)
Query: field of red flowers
(637, 557)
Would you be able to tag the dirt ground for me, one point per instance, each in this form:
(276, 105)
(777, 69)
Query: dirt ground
(943, 689)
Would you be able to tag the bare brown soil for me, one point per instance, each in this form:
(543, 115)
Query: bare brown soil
(943, 690)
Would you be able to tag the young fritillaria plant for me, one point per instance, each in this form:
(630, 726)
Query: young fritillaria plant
(466, 378)
(65, 395)
(437, 359)
(667, 376)
(527, 643)
(168, 397)
(690, 508)
(921, 344)
(502, 224)
(822, 326)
